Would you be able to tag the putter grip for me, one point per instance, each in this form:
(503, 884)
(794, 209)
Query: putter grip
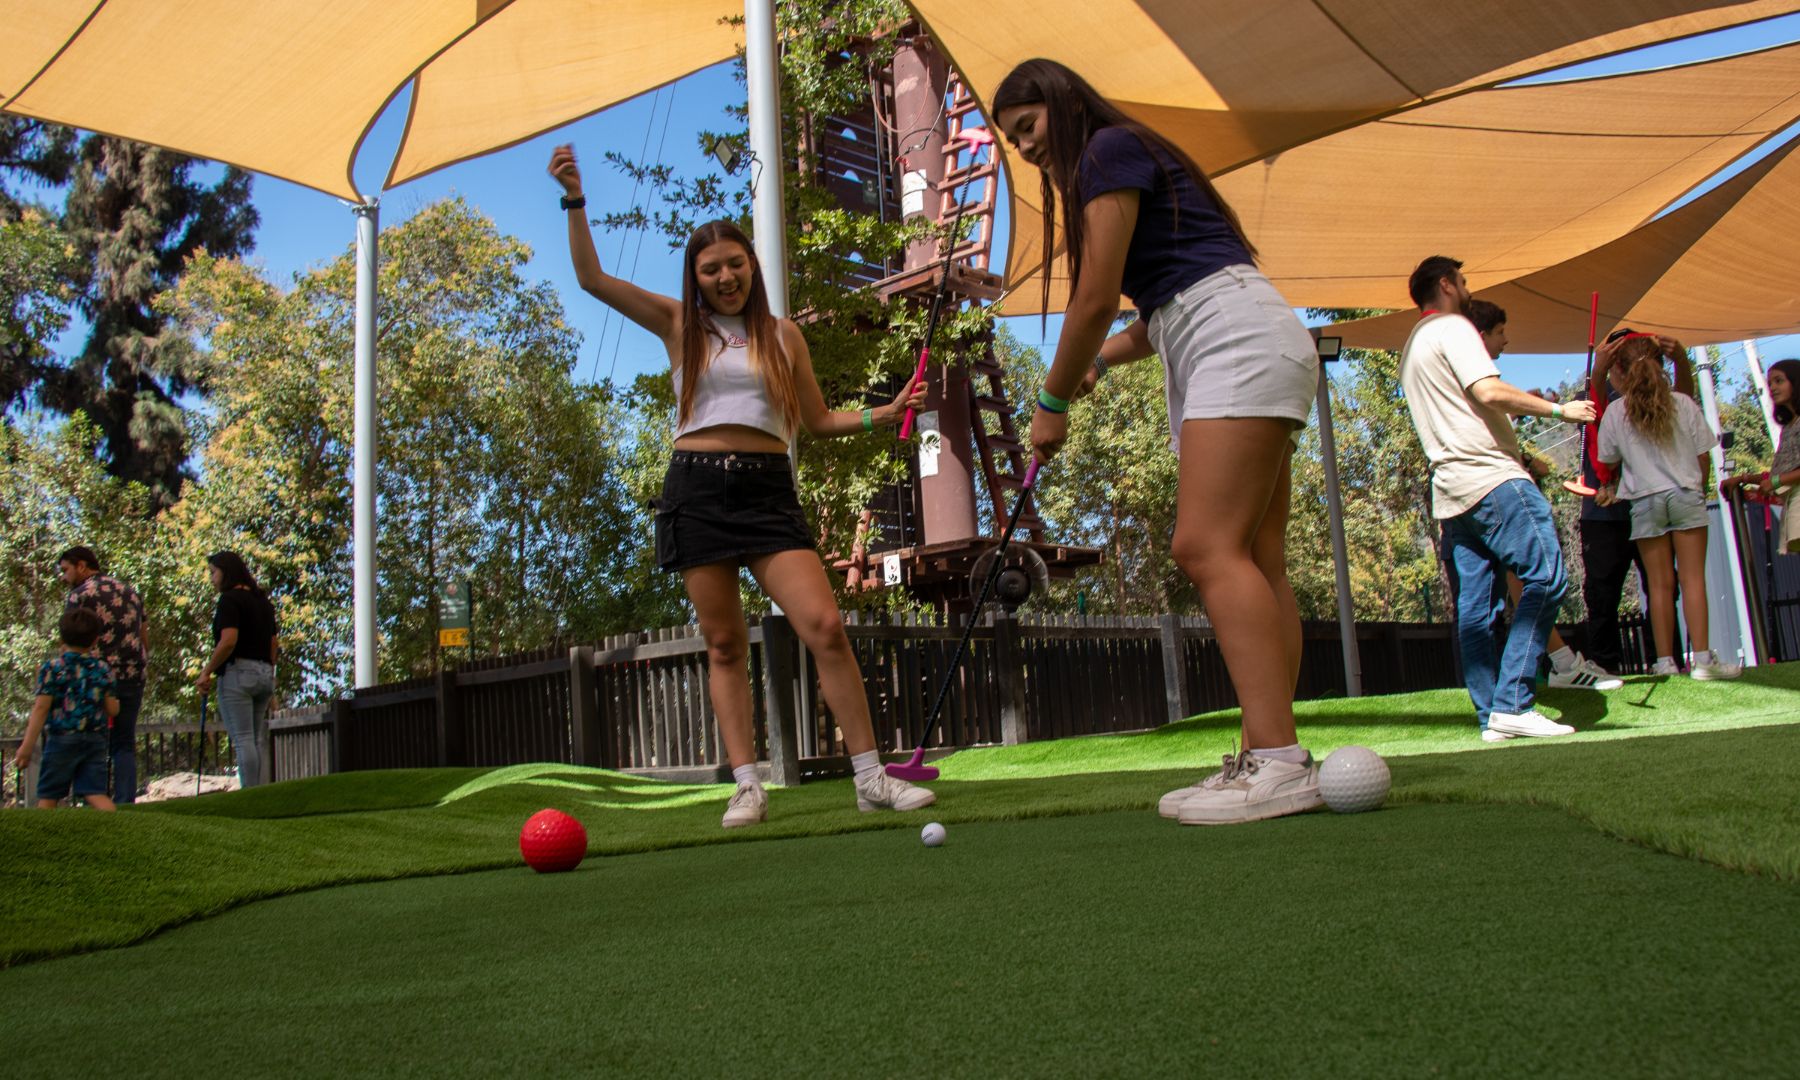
(1031, 474)
(907, 424)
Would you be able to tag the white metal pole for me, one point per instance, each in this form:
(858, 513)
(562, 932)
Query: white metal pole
(762, 70)
(1334, 502)
(1709, 403)
(1753, 360)
(368, 220)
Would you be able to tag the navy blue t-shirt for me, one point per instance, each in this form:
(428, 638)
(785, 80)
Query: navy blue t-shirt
(1180, 236)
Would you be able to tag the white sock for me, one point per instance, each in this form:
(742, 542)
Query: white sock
(1563, 659)
(866, 764)
(1294, 754)
(746, 774)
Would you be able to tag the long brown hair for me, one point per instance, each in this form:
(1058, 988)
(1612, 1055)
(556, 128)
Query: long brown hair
(1649, 403)
(1074, 110)
(768, 359)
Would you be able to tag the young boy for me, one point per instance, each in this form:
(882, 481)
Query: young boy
(75, 702)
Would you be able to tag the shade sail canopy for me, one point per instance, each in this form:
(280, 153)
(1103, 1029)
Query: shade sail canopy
(1235, 83)
(1721, 268)
(290, 87)
(1508, 180)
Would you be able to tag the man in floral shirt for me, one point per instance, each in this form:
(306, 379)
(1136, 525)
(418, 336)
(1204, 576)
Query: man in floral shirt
(122, 646)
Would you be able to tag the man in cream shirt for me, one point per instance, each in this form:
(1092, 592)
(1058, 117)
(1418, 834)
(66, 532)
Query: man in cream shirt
(1494, 518)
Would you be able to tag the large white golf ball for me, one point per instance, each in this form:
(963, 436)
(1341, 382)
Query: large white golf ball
(1353, 779)
(932, 834)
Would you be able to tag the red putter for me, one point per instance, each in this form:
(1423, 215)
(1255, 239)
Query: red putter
(977, 138)
(915, 768)
(1577, 485)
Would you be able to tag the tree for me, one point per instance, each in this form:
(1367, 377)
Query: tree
(134, 215)
(494, 466)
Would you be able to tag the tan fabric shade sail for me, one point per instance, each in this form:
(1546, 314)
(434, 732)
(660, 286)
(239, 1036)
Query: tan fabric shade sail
(1722, 268)
(290, 87)
(1234, 83)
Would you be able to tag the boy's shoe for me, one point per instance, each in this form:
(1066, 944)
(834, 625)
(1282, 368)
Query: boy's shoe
(1711, 668)
(883, 792)
(1251, 788)
(1490, 735)
(748, 806)
(1665, 666)
(1529, 723)
(1584, 674)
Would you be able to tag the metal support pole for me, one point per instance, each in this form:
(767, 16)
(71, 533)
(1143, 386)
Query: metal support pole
(368, 220)
(762, 70)
(1334, 502)
(1709, 403)
(1753, 360)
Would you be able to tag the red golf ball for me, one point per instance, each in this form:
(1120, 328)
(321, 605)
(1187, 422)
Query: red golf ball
(552, 841)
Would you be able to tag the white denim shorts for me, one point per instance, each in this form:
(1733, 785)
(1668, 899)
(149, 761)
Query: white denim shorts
(1232, 348)
(1662, 512)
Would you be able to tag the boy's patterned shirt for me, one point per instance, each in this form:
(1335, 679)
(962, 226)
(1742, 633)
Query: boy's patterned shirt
(77, 685)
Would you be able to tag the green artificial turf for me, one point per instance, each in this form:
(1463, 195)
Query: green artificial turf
(1424, 940)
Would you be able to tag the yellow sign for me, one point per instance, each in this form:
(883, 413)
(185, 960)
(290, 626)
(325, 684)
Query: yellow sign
(453, 637)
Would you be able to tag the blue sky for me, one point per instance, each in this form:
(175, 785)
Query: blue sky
(302, 228)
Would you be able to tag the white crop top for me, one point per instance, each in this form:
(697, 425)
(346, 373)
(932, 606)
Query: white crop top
(730, 392)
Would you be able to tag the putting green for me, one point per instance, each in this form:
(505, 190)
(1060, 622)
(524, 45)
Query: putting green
(1422, 940)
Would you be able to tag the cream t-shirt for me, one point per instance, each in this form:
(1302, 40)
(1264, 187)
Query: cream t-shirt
(1472, 447)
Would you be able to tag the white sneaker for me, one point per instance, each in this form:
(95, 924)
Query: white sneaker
(1169, 805)
(1584, 674)
(1490, 735)
(883, 792)
(1710, 667)
(1665, 666)
(1251, 788)
(749, 806)
(1530, 723)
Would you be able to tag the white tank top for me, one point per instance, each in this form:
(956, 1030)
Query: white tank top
(730, 392)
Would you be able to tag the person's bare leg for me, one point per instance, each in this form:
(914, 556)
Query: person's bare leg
(1690, 557)
(1659, 568)
(100, 802)
(1230, 470)
(796, 580)
(1269, 550)
(713, 590)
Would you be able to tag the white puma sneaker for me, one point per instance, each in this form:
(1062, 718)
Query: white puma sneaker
(1707, 667)
(749, 806)
(1530, 723)
(883, 792)
(1251, 788)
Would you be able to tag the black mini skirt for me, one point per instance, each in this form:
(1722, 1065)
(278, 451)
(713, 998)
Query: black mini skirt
(720, 507)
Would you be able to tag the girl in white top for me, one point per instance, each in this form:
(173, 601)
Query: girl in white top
(745, 383)
(1782, 481)
(1661, 441)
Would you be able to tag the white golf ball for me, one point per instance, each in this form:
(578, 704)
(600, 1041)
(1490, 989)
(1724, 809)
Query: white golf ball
(1353, 779)
(932, 834)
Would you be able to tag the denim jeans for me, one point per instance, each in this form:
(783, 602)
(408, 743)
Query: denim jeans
(245, 689)
(1509, 529)
(121, 742)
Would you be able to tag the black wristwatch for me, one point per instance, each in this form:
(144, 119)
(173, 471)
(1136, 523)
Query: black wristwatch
(576, 203)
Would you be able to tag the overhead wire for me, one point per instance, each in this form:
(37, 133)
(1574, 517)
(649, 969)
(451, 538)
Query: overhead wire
(636, 180)
(662, 141)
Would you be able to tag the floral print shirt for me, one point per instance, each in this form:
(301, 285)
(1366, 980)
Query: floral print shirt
(121, 613)
(77, 685)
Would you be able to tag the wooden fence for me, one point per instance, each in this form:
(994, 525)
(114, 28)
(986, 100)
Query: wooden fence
(639, 702)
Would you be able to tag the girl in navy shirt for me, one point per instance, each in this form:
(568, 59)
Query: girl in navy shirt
(1139, 218)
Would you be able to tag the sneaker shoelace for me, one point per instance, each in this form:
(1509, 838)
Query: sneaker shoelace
(743, 797)
(1242, 763)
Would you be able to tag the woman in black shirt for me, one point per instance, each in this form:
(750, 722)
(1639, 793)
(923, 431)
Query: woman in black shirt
(244, 651)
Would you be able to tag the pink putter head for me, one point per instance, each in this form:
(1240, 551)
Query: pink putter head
(977, 137)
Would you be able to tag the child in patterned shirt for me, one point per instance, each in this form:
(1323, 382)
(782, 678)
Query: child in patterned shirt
(75, 703)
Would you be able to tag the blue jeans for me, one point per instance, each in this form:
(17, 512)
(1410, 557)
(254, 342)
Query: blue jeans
(245, 689)
(121, 743)
(1509, 529)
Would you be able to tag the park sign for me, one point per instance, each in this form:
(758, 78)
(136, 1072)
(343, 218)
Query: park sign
(453, 614)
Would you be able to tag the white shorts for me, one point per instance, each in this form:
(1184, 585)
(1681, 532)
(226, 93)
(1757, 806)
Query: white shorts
(1232, 348)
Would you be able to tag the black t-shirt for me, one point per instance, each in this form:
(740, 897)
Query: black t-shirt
(1181, 235)
(253, 616)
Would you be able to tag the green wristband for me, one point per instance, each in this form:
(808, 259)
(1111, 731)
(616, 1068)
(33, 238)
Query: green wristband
(868, 419)
(1556, 409)
(1051, 403)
